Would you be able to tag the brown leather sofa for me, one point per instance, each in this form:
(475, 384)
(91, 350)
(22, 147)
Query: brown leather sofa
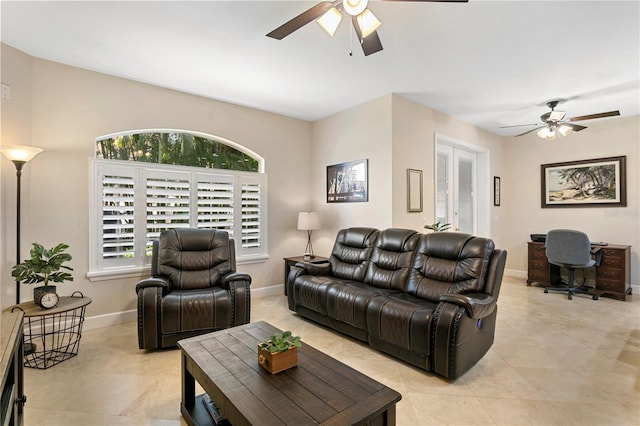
(428, 299)
(193, 289)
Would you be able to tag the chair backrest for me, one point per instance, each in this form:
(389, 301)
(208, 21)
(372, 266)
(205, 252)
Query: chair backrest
(569, 247)
(450, 262)
(351, 252)
(194, 258)
(392, 258)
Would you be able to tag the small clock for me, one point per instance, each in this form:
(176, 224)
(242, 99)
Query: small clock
(48, 300)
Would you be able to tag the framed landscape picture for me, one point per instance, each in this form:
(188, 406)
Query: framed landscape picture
(600, 182)
(348, 182)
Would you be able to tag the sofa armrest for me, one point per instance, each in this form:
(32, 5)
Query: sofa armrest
(238, 284)
(477, 305)
(154, 282)
(322, 268)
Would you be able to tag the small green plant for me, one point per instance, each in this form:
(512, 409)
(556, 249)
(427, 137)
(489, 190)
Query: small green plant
(44, 266)
(281, 342)
(438, 227)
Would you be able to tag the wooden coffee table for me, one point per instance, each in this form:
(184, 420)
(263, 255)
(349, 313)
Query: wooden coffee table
(320, 390)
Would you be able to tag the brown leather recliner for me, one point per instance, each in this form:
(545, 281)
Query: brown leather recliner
(193, 289)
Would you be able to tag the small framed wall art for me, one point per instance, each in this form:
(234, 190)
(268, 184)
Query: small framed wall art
(496, 190)
(348, 182)
(414, 190)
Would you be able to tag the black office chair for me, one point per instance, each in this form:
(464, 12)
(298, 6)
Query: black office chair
(571, 250)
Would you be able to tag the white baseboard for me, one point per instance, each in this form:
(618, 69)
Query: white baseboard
(515, 273)
(116, 318)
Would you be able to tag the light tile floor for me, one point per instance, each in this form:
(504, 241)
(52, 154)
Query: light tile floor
(554, 362)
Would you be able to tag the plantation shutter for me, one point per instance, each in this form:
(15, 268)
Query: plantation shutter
(215, 202)
(251, 213)
(167, 203)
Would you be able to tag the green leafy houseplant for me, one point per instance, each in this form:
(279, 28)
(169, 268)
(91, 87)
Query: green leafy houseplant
(281, 342)
(438, 227)
(44, 266)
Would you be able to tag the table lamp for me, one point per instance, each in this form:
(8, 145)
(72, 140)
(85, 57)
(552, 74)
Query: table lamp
(308, 221)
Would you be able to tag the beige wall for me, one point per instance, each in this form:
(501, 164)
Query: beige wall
(63, 109)
(361, 132)
(521, 189)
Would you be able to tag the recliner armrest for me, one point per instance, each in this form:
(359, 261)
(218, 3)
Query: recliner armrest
(234, 277)
(154, 282)
(477, 305)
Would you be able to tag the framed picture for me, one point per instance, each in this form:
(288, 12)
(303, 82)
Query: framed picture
(600, 182)
(496, 190)
(348, 182)
(414, 190)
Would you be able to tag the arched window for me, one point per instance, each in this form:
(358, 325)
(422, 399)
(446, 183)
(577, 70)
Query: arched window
(145, 182)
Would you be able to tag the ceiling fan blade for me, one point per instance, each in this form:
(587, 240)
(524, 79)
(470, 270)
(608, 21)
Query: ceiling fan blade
(371, 43)
(528, 131)
(574, 127)
(301, 20)
(592, 116)
(517, 125)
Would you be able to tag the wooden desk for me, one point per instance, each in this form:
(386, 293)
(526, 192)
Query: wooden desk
(319, 390)
(12, 398)
(613, 276)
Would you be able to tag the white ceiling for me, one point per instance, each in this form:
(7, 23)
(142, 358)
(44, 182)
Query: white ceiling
(489, 63)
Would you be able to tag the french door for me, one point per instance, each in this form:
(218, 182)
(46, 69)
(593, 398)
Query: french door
(456, 183)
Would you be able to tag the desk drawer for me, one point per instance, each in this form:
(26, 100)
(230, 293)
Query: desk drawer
(617, 287)
(610, 274)
(616, 261)
(537, 253)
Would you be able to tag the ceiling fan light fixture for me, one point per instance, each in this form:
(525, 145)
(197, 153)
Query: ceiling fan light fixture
(354, 7)
(367, 22)
(330, 21)
(564, 129)
(547, 133)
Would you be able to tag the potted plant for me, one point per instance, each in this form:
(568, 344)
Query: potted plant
(279, 353)
(438, 227)
(44, 266)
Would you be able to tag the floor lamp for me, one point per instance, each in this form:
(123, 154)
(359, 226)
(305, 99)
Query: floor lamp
(19, 155)
(308, 221)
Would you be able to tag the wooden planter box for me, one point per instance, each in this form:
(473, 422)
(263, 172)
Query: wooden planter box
(279, 361)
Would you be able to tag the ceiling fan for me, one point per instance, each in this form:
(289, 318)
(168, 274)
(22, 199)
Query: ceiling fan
(329, 14)
(556, 120)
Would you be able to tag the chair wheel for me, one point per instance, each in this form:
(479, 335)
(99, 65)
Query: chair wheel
(546, 291)
(570, 297)
(595, 297)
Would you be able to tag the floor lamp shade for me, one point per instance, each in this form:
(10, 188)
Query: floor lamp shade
(19, 155)
(308, 221)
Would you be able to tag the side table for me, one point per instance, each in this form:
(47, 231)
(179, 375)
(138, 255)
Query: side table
(53, 333)
(291, 261)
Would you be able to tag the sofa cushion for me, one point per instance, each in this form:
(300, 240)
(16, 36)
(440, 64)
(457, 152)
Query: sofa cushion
(401, 320)
(191, 310)
(449, 262)
(310, 291)
(392, 258)
(351, 252)
(347, 302)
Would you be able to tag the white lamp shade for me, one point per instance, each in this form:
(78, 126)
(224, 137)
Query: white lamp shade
(547, 133)
(308, 221)
(368, 23)
(564, 129)
(330, 21)
(20, 152)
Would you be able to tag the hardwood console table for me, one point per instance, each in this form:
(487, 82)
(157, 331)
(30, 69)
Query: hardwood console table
(613, 276)
(12, 398)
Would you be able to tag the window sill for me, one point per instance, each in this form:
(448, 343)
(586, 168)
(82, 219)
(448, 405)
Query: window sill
(119, 273)
(144, 271)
